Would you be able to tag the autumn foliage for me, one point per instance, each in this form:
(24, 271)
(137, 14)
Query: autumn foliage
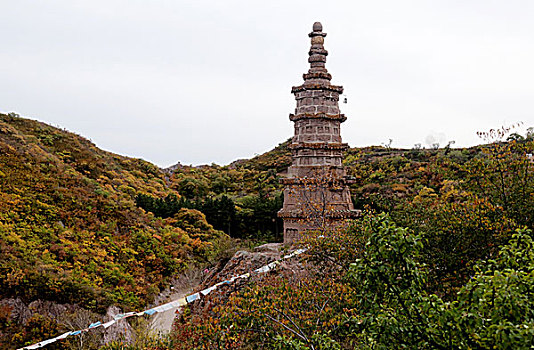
(441, 257)
(449, 267)
(70, 230)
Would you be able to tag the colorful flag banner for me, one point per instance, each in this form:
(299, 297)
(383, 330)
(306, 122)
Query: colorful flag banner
(192, 297)
(121, 316)
(221, 283)
(208, 290)
(94, 325)
(262, 269)
(46, 342)
(164, 307)
(161, 308)
(178, 303)
(150, 312)
(63, 336)
(108, 324)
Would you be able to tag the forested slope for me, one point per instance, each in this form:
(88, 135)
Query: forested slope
(70, 231)
(79, 225)
(441, 259)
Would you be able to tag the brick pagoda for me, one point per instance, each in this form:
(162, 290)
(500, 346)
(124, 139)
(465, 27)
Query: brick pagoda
(316, 194)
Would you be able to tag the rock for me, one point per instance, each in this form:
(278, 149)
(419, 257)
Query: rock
(121, 330)
(243, 262)
(269, 249)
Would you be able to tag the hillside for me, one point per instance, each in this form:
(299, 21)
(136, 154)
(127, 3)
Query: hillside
(241, 198)
(70, 231)
(441, 259)
(82, 229)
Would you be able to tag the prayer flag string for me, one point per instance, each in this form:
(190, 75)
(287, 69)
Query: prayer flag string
(165, 307)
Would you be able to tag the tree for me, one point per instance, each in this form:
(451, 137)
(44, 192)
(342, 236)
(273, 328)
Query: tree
(494, 310)
(515, 137)
(504, 175)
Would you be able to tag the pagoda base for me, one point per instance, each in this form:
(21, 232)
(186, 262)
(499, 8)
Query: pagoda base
(295, 226)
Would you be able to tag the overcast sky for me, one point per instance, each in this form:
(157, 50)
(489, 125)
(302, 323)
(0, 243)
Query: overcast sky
(209, 81)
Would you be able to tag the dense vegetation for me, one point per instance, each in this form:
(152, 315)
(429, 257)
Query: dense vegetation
(247, 217)
(70, 230)
(241, 199)
(450, 266)
(441, 258)
(376, 297)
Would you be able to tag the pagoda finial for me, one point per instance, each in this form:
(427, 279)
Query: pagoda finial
(317, 27)
(317, 57)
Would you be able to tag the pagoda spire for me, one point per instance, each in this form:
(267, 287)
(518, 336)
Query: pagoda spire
(317, 72)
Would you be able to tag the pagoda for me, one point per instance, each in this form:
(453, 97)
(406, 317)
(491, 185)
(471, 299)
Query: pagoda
(316, 195)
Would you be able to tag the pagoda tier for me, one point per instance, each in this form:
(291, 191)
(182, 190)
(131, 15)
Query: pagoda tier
(316, 193)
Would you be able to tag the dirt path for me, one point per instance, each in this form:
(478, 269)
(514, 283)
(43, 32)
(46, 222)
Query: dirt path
(185, 284)
(162, 321)
(182, 286)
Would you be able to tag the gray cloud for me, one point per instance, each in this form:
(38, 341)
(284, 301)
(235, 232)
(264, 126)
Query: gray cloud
(209, 81)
